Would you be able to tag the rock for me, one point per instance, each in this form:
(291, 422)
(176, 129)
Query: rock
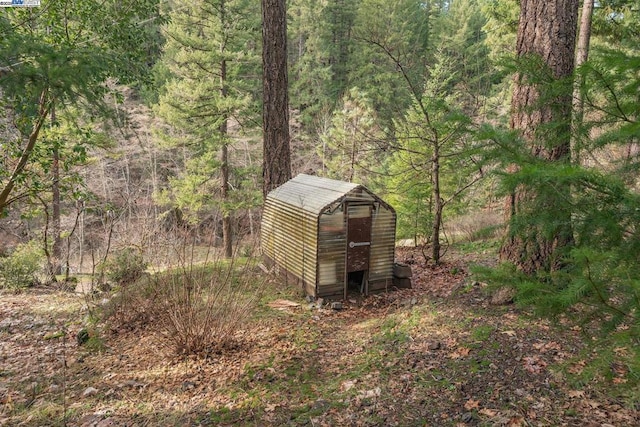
(336, 305)
(89, 391)
(320, 405)
(503, 296)
(435, 345)
(107, 422)
(83, 336)
(468, 417)
(402, 271)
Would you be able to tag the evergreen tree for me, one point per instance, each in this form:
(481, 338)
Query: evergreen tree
(350, 147)
(211, 54)
(433, 163)
(340, 16)
(541, 112)
(595, 192)
(276, 161)
(310, 70)
(392, 51)
(462, 38)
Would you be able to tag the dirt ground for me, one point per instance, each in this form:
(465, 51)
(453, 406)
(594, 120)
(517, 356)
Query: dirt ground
(439, 354)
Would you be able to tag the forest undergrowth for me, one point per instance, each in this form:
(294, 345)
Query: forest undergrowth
(438, 354)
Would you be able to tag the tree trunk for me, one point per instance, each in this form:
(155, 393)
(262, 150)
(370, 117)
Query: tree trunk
(437, 198)
(43, 111)
(546, 33)
(277, 156)
(227, 238)
(582, 54)
(56, 248)
(584, 36)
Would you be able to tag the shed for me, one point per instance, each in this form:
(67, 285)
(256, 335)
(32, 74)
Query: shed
(330, 237)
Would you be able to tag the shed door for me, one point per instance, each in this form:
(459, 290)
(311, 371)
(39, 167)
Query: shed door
(358, 237)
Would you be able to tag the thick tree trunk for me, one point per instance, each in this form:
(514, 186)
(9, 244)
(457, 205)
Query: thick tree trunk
(546, 33)
(277, 158)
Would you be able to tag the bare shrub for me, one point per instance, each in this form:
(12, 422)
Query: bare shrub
(203, 306)
(480, 225)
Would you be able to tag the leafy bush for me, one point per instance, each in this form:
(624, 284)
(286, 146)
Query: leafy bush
(125, 266)
(20, 269)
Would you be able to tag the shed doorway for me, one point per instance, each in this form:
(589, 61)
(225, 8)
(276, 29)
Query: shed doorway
(358, 249)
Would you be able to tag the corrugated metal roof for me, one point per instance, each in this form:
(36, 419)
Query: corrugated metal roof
(311, 193)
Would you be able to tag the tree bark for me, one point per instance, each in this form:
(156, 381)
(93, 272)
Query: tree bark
(584, 36)
(546, 34)
(43, 111)
(437, 200)
(227, 237)
(56, 248)
(276, 153)
(582, 54)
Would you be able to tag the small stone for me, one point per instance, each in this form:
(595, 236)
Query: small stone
(90, 391)
(320, 405)
(435, 345)
(468, 417)
(503, 296)
(107, 422)
(336, 305)
(82, 336)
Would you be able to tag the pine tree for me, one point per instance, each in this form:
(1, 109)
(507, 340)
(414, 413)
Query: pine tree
(211, 55)
(541, 112)
(276, 169)
(433, 163)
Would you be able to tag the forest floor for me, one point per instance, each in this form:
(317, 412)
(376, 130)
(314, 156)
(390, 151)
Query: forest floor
(439, 354)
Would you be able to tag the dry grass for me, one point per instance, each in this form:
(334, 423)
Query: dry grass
(481, 225)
